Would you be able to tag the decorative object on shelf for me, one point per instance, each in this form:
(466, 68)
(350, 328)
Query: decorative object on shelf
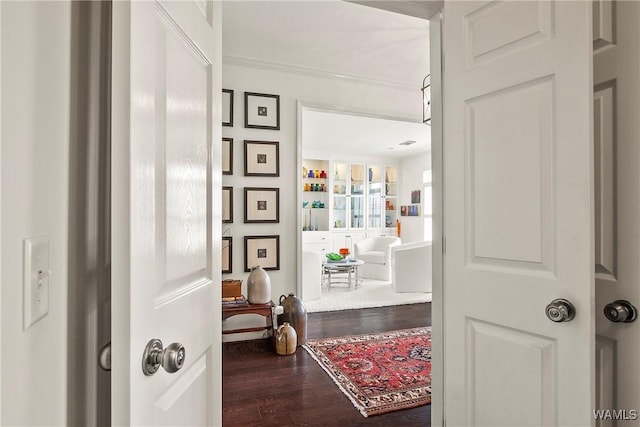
(295, 313)
(227, 107)
(310, 226)
(261, 158)
(227, 204)
(263, 251)
(227, 156)
(415, 196)
(310, 174)
(323, 175)
(231, 288)
(304, 172)
(286, 339)
(426, 100)
(261, 111)
(261, 205)
(258, 286)
(398, 227)
(227, 255)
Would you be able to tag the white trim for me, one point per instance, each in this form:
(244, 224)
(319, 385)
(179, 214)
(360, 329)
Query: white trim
(437, 225)
(325, 74)
(1, 216)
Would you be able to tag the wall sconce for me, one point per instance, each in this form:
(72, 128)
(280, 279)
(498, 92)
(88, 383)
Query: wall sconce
(426, 100)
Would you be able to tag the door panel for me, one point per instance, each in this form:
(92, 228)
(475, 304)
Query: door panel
(616, 41)
(518, 172)
(164, 265)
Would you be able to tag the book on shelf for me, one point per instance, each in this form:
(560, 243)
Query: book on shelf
(235, 301)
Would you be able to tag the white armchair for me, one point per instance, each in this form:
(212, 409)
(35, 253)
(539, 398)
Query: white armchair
(411, 267)
(376, 254)
(311, 275)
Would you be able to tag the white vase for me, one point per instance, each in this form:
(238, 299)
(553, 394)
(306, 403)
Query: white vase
(258, 286)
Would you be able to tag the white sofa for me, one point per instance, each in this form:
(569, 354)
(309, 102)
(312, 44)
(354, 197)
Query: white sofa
(411, 267)
(376, 254)
(311, 275)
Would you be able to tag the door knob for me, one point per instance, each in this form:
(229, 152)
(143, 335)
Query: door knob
(170, 358)
(620, 311)
(104, 357)
(560, 310)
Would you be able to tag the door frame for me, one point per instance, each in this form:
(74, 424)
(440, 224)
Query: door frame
(438, 239)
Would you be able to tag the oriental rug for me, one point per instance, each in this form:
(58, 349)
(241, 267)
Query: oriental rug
(381, 372)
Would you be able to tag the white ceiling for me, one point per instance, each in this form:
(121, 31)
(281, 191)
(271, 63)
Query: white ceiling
(330, 35)
(353, 136)
(338, 38)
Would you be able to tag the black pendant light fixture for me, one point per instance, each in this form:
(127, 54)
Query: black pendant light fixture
(426, 100)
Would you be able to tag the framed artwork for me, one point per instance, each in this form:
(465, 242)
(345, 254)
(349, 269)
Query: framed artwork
(227, 156)
(414, 210)
(261, 158)
(263, 251)
(227, 254)
(227, 204)
(261, 111)
(404, 210)
(227, 107)
(261, 204)
(415, 196)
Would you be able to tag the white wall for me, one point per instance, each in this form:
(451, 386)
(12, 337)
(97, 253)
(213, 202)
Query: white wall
(35, 143)
(411, 169)
(352, 95)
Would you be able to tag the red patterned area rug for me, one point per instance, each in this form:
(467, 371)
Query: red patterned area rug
(379, 373)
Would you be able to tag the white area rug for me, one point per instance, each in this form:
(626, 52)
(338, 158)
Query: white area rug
(371, 293)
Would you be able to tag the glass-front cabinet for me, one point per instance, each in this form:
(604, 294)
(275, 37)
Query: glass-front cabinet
(348, 207)
(382, 196)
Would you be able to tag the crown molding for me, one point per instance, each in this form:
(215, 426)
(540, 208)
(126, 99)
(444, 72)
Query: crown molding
(255, 63)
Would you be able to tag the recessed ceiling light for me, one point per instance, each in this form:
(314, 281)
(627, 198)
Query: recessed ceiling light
(410, 142)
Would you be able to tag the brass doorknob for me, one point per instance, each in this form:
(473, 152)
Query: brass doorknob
(560, 310)
(620, 311)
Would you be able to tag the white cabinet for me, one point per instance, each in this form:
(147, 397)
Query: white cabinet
(382, 197)
(316, 241)
(347, 196)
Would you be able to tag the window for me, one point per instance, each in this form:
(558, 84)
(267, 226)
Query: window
(427, 206)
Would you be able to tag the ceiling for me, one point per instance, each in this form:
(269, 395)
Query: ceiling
(333, 36)
(340, 39)
(354, 136)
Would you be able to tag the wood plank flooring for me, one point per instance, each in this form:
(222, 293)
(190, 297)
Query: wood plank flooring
(260, 388)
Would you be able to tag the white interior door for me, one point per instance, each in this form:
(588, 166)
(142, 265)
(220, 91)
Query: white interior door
(518, 191)
(166, 233)
(617, 195)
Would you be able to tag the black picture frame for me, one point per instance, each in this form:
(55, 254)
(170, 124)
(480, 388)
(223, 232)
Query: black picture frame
(261, 205)
(261, 158)
(227, 156)
(263, 251)
(227, 250)
(227, 205)
(259, 111)
(227, 107)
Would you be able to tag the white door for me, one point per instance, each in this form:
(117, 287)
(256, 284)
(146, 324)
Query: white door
(518, 209)
(166, 233)
(617, 191)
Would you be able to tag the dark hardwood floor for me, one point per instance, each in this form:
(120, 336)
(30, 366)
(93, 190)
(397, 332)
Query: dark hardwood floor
(261, 388)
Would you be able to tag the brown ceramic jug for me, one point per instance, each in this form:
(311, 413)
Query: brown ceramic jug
(294, 313)
(286, 339)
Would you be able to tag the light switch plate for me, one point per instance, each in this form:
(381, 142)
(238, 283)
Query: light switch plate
(35, 280)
